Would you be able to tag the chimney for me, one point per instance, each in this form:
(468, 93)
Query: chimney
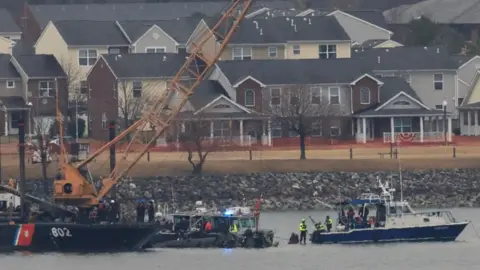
(292, 22)
(309, 21)
(164, 58)
(288, 19)
(438, 50)
(256, 24)
(261, 32)
(305, 19)
(378, 59)
(295, 28)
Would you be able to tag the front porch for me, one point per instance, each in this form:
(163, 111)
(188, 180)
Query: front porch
(404, 128)
(241, 130)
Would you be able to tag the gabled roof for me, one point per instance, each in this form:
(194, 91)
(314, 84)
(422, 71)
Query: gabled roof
(407, 58)
(179, 29)
(374, 17)
(7, 70)
(372, 43)
(206, 92)
(301, 71)
(40, 66)
(7, 23)
(136, 11)
(86, 33)
(463, 60)
(441, 11)
(394, 85)
(280, 30)
(23, 47)
(145, 65)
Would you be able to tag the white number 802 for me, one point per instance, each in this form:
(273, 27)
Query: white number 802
(61, 232)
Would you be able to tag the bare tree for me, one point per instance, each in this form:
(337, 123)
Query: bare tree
(76, 87)
(41, 128)
(133, 97)
(196, 140)
(300, 110)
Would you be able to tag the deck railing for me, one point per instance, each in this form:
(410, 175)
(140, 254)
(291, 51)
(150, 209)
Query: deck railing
(413, 137)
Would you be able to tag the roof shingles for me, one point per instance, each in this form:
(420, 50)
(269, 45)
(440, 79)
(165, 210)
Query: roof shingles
(87, 33)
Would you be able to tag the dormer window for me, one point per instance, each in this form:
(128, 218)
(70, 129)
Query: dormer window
(249, 98)
(364, 95)
(240, 53)
(327, 51)
(10, 84)
(87, 57)
(296, 49)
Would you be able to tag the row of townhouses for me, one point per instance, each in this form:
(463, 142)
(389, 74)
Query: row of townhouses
(98, 56)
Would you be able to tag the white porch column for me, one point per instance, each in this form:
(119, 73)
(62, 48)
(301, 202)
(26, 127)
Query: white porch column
(469, 123)
(461, 121)
(211, 129)
(392, 130)
(269, 132)
(364, 127)
(449, 126)
(475, 119)
(358, 131)
(241, 132)
(437, 125)
(6, 123)
(421, 129)
(183, 127)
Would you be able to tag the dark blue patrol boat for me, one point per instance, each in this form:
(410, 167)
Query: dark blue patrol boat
(380, 219)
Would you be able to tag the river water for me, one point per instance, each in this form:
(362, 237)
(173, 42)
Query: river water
(459, 255)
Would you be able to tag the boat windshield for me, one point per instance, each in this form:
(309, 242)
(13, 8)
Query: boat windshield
(247, 223)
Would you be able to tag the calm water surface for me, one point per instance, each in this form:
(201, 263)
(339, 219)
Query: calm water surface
(463, 254)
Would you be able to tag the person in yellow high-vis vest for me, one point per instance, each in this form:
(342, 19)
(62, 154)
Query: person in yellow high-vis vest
(303, 232)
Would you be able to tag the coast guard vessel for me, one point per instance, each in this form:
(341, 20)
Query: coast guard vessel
(382, 219)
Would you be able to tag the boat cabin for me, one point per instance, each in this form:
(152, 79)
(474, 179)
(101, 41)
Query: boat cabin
(220, 222)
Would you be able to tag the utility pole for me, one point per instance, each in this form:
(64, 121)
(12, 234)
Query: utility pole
(21, 151)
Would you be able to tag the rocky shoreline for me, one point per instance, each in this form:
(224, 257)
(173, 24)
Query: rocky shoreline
(298, 191)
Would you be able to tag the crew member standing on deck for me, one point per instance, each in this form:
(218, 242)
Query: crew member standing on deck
(303, 232)
(329, 223)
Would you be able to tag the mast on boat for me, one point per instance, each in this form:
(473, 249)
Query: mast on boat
(401, 179)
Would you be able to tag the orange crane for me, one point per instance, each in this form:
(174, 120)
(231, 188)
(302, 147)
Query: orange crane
(75, 189)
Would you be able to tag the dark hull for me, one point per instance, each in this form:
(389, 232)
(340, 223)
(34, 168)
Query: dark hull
(441, 233)
(262, 239)
(65, 237)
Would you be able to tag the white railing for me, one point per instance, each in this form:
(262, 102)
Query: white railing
(413, 137)
(225, 140)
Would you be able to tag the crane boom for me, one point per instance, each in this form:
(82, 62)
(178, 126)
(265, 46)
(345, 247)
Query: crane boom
(75, 189)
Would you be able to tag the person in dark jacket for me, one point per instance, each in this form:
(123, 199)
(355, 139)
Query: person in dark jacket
(151, 212)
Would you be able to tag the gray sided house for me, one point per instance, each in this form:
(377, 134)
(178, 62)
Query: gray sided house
(29, 84)
(430, 72)
(261, 84)
(467, 69)
(166, 36)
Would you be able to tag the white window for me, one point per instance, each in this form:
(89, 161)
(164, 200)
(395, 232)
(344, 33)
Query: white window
(10, 84)
(335, 131)
(221, 128)
(113, 51)
(403, 124)
(87, 57)
(364, 95)
(83, 87)
(296, 49)
(272, 52)
(249, 97)
(240, 53)
(46, 88)
(294, 97)
(438, 81)
(316, 128)
(327, 51)
(276, 129)
(104, 120)
(315, 95)
(155, 49)
(334, 95)
(137, 88)
(275, 96)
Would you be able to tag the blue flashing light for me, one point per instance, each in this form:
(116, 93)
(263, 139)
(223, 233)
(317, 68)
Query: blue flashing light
(228, 213)
(227, 251)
